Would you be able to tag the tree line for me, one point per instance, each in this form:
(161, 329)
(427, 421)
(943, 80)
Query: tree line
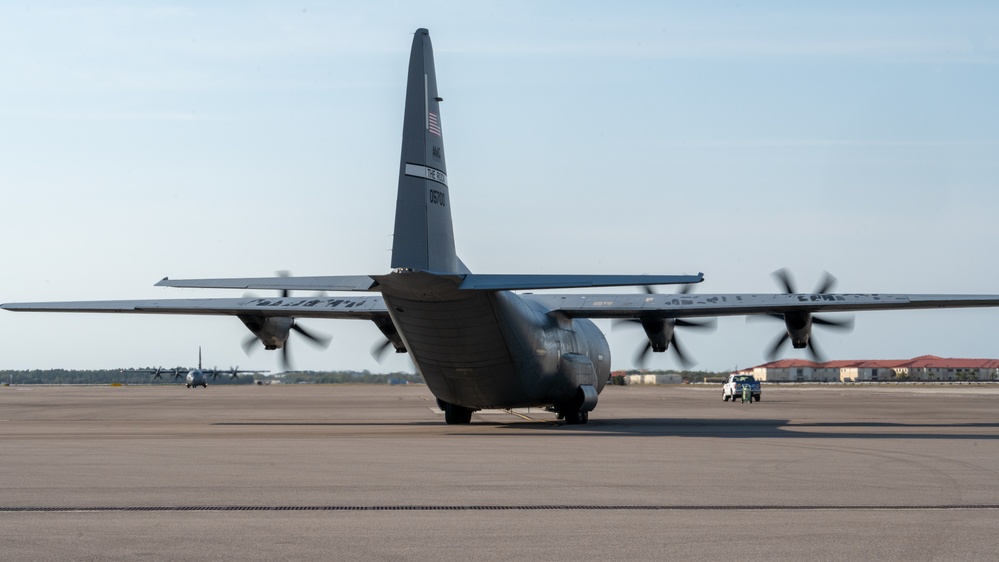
(145, 376)
(617, 377)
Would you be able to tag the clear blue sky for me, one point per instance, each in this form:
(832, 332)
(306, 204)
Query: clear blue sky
(212, 139)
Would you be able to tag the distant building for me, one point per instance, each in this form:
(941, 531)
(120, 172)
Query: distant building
(922, 368)
(653, 379)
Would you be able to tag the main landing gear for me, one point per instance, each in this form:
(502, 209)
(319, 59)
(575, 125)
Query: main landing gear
(570, 415)
(577, 411)
(455, 414)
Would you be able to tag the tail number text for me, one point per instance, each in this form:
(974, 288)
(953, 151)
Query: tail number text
(437, 198)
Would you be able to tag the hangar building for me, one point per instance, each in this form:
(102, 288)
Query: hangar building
(922, 368)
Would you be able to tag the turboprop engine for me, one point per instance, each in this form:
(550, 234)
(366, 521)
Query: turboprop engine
(273, 332)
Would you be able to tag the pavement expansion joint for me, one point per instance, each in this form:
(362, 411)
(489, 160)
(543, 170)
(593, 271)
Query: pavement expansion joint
(105, 509)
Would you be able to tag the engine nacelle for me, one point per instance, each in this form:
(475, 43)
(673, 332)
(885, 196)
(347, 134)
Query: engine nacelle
(272, 331)
(799, 328)
(659, 331)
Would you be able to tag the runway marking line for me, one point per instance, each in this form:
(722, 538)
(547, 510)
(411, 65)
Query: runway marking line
(96, 509)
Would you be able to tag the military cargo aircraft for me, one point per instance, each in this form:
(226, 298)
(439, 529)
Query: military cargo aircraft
(198, 376)
(476, 341)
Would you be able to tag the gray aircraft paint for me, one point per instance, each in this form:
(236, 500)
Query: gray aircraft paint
(477, 344)
(475, 348)
(424, 238)
(196, 376)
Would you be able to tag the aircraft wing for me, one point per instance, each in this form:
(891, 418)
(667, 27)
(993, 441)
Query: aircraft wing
(361, 308)
(572, 305)
(680, 306)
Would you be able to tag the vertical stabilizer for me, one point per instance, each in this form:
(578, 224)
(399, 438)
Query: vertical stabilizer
(424, 238)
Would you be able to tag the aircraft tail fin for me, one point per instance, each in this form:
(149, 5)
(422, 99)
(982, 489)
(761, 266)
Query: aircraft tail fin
(424, 237)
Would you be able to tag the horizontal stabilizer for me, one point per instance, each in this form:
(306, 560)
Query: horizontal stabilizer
(361, 308)
(500, 282)
(326, 283)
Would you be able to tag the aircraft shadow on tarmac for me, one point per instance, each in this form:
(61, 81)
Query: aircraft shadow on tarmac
(335, 424)
(762, 429)
(676, 427)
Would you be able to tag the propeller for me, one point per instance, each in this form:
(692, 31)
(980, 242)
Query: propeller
(783, 276)
(233, 373)
(284, 273)
(379, 350)
(665, 329)
(249, 344)
(685, 289)
(392, 340)
(799, 324)
(319, 340)
(315, 338)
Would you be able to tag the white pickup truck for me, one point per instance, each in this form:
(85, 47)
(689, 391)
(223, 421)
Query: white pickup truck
(734, 387)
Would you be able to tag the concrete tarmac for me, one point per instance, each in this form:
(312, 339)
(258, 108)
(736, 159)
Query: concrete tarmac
(314, 472)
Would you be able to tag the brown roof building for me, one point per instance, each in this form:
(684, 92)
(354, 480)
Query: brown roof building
(922, 368)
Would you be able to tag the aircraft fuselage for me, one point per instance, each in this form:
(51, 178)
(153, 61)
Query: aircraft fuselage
(489, 349)
(196, 377)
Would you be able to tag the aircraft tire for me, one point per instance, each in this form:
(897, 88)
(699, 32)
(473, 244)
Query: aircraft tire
(457, 415)
(573, 417)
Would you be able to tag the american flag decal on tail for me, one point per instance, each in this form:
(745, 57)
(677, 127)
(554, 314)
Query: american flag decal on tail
(433, 125)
